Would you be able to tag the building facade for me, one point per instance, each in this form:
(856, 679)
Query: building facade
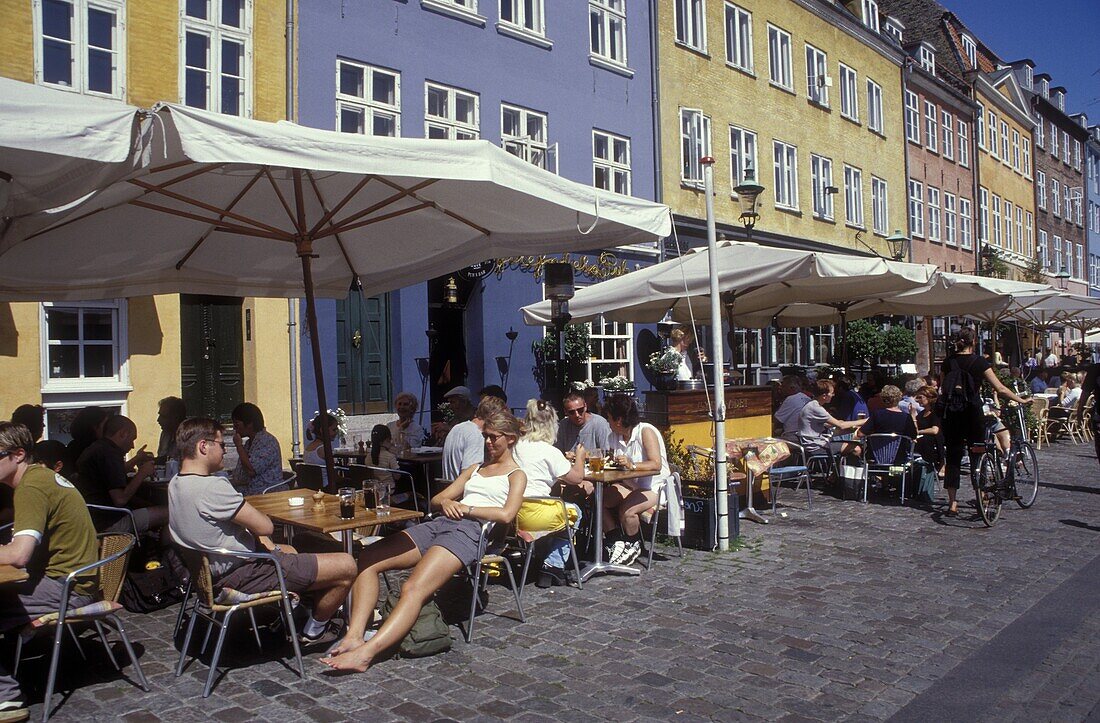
(567, 86)
(126, 354)
(1092, 218)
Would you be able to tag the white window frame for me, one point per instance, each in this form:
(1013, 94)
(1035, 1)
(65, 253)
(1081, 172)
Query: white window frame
(1059, 262)
(1008, 243)
(785, 174)
(780, 67)
(874, 106)
(931, 127)
(694, 145)
(983, 214)
(1040, 133)
(991, 129)
(613, 169)
(1029, 228)
(454, 128)
(880, 206)
(1026, 147)
(934, 218)
(1078, 270)
(532, 149)
(821, 178)
(853, 197)
(981, 126)
(947, 125)
(1056, 197)
(620, 332)
(120, 382)
(743, 151)
(1016, 158)
(912, 117)
(368, 106)
(1041, 190)
(691, 24)
(996, 220)
(1065, 147)
(870, 14)
(817, 76)
(216, 33)
(604, 16)
(849, 93)
(1020, 243)
(1077, 154)
(79, 47)
(739, 45)
(523, 22)
(1005, 143)
(916, 208)
(927, 58)
(950, 219)
(964, 143)
(966, 224)
(1042, 251)
(1053, 140)
(970, 50)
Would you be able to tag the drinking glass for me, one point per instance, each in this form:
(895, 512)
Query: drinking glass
(383, 493)
(370, 495)
(347, 503)
(595, 460)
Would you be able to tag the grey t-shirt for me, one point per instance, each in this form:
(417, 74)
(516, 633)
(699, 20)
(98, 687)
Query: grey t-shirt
(200, 515)
(463, 447)
(595, 434)
(812, 421)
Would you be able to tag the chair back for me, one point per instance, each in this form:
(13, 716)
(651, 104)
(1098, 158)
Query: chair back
(1040, 404)
(113, 573)
(359, 473)
(885, 449)
(311, 476)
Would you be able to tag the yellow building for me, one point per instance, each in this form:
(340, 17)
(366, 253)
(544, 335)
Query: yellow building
(803, 91)
(126, 354)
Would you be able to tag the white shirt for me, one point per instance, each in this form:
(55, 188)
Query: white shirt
(683, 372)
(1051, 361)
(634, 450)
(1071, 397)
(543, 464)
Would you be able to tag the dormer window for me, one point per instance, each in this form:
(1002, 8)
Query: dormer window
(895, 29)
(1060, 100)
(927, 57)
(1044, 87)
(1029, 78)
(870, 14)
(970, 49)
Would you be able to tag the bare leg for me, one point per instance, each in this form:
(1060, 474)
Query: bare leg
(436, 567)
(613, 496)
(335, 573)
(631, 509)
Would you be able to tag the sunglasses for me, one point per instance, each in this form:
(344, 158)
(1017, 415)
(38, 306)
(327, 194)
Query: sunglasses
(579, 411)
(492, 438)
(6, 453)
(216, 441)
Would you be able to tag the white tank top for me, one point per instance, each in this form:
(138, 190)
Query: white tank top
(634, 450)
(489, 491)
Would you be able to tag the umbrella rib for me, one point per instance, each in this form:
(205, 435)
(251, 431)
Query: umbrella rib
(299, 202)
(327, 218)
(333, 231)
(205, 206)
(436, 206)
(207, 232)
(328, 214)
(190, 174)
(383, 203)
(279, 195)
(217, 224)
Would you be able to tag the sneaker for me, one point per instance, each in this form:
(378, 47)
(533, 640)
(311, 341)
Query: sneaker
(326, 635)
(615, 552)
(631, 553)
(13, 710)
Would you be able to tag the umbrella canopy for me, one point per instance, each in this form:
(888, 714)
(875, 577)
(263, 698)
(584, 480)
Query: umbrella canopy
(757, 278)
(57, 147)
(946, 294)
(229, 203)
(1044, 309)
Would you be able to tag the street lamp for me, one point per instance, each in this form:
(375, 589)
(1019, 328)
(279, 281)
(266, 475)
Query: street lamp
(899, 245)
(748, 191)
(1062, 277)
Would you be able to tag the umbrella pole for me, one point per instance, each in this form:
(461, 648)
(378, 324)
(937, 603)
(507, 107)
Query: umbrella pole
(305, 252)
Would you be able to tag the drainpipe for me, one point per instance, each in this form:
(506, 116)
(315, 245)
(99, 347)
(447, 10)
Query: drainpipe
(292, 304)
(655, 104)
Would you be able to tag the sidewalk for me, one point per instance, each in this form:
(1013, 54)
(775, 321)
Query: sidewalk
(852, 612)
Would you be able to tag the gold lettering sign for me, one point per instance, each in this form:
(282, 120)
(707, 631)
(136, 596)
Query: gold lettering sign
(605, 266)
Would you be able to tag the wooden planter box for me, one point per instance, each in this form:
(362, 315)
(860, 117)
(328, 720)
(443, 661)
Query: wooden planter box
(701, 521)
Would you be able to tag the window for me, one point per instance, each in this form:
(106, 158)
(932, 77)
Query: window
(931, 126)
(1056, 197)
(981, 126)
(1041, 250)
(970, 50)
(612, 349)
(1079, 270)
(523, 133)
(991, 118)
(1027, 157)
(1004, 144)
(894, 29)
(739, 37)
(874, 106)
(78, 45)
(451, 113)
(1020, 243)
(1008, 225)
(1058, 264)
(964, 143)
(928, 59)
(817, 76)
(694, 145)
(691, 28)
(870, 14)
(1077, 209)
(950, 219)
(916, 207)
(524, 15)
(785, 163)
(611, 162)
(1065, 147)
(912, 117)
(1077, 154)
(880, 216)
(607, 30)
(1016, 150)
(779, 57)
(786, 346)
(216, 53)
(368, 99)
(1053, 139)
(1041, 190)
(849, 93)
(821, 179)
(983, 211)
(1040, 127)
(966, 222)
(1068, 206)
(933, 214)
(742, 154)
(853, 196)
(84, 346)
(997, 220)
(948, 134)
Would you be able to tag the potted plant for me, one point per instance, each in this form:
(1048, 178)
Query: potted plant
(664, 364)
(617, 385)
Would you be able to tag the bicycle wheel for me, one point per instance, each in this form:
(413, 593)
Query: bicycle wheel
(1025, 472)
(986, 492)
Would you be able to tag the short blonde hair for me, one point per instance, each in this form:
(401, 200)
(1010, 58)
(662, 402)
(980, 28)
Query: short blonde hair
(541, 424)
(891, 395)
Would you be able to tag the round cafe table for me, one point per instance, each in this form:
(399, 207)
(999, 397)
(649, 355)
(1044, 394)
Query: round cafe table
(758, 455)
(599, 480)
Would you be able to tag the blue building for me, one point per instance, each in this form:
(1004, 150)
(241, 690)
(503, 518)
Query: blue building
(567, 85)
(1092, 196)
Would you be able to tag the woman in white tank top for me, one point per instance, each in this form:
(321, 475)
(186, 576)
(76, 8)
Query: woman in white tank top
(435, 550)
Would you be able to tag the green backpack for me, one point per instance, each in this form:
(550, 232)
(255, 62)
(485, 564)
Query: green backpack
(430, 634)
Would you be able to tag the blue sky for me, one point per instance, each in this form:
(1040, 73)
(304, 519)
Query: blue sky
(1061, 36)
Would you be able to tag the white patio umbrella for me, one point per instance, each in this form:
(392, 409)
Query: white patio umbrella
(246, 208)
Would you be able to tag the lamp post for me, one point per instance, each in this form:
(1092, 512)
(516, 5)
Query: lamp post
(1062, 277)
(558, 286)
(899, 245)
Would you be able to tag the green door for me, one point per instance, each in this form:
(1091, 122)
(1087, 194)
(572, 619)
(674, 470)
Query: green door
(362, 353)
(212, 355)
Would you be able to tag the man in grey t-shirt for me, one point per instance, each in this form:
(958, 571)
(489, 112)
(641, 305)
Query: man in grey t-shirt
(464, 446)
(581, 425)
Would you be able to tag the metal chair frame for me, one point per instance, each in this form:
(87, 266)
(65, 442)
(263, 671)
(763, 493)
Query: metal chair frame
(800, 472)
(904, 450)
(568, 530)
(655, 521)
(479, 578)
(355, 474)
(121, 511)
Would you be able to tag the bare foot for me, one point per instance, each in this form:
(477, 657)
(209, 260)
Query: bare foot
(349, 643)
(358, 659)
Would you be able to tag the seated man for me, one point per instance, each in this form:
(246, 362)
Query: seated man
(103, 480)
(208, 513)
(53, 537)
(464, 445)
(581, 426)
(793, 399)
(1040, 382)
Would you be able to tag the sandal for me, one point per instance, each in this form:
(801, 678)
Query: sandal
(951, 513)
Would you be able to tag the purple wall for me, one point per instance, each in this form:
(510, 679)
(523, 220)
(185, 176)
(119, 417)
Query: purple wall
(426, 45)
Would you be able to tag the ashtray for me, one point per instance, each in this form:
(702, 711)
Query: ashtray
(296, 501)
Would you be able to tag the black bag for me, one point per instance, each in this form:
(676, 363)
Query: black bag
(430, 634)
(853, 479)
(924, 479)
(958, 391)
(147, 590)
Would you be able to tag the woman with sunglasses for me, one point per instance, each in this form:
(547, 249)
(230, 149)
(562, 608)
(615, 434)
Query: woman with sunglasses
(435, 550)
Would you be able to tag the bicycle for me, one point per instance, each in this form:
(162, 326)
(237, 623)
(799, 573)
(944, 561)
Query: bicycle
(1002, 476)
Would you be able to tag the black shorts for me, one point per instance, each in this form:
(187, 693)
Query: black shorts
(299, 569)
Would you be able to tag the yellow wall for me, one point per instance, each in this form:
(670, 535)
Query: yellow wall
(730, 96)
(16, 40)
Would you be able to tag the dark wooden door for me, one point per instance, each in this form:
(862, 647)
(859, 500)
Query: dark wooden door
(212, 355)
(363, 353)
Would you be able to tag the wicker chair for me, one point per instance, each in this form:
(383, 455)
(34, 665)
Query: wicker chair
(218, 606)
(114, 553)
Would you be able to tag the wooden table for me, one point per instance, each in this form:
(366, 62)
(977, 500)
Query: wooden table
(11, 573)
(599, 479)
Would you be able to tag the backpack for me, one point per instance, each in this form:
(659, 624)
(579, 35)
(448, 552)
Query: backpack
(147, 590)
(430, 634)
(958, 391)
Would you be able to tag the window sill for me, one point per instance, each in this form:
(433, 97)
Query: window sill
(792, 210)
(877, 132)
(915, 143)
(601, 62)
(933, 151)
(856, 226)
(783, 88)
(743, 71)
(850, 119)
(819, 105)
(445, 8)
(824, 219)
(515, 31)
(698, 51)
(692, 185)
(87, 387)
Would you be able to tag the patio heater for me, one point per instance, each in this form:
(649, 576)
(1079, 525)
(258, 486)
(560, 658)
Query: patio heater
(557, 284)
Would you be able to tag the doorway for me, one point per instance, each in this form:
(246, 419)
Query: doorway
(363, 353)
(212, 355)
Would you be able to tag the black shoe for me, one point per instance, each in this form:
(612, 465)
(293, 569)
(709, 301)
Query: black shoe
(551, 577)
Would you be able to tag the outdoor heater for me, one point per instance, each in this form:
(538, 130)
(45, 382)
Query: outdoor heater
(557, 284)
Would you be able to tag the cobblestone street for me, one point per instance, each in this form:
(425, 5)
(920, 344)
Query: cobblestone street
(852, 611)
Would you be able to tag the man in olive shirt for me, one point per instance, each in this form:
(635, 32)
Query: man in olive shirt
(52, 536)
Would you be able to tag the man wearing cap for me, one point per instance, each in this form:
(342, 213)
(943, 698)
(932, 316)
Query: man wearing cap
(463, 445)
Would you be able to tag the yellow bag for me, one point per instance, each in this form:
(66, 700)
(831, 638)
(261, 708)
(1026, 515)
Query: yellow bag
(542, 515)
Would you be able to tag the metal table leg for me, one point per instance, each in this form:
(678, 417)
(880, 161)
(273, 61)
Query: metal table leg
(749, 512)
(599, 566)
